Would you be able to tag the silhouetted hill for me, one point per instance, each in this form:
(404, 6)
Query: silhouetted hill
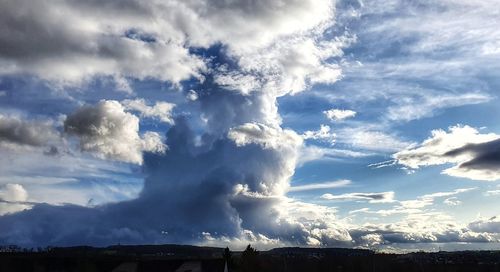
(193, 258)
(168, 250)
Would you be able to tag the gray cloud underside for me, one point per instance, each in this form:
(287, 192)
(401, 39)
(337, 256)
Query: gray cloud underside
(372, 197)
(17, 131)
(475, 155)
(486, 156)
(137, 39)
(107, 131)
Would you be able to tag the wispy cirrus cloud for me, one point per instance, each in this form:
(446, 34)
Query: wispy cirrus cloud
(322, 185)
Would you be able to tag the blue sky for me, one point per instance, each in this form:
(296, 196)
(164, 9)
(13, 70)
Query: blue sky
(311, 123)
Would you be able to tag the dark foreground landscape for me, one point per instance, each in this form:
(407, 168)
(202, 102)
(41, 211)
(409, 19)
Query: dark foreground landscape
(196, 259)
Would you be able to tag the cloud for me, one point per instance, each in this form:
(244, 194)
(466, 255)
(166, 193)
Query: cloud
(339, 115)
(452, 201)
(232, 154)
(144, 40)
(242, 186)
(13, 198)
(489, 225)
(428, 199)
(153, 142)
(425, 106)
(383, 197)
(236, 81)
(311, 153)
(323, 134)
(396, 71)
(492, 193)
(422, 226)
(445, 194)
(371, 138)
(317, 186)
(269, 137)
(160, 110)
(411, 207)
(192, 95)
(428, 228)
(371, 240)
(13, 192)
(109, 132)
(291, 65)
(36, 42)
(16, 132)
(474, 154)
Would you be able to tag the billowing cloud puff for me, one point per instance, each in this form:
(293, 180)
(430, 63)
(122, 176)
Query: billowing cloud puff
(290, 65)
(13, 192)
(371, 240)
(339, 115)
(226, 180)
(16, 132)
(225, 191)
(109, 132)
(474, 155)
(12, 198)
(140, 39)
(254, 133)
(160, 110)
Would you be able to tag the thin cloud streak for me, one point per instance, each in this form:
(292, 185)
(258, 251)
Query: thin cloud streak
(323, 185)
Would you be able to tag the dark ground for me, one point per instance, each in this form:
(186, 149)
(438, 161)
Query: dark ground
(172, 257)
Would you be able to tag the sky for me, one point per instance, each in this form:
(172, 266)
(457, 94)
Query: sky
(315, 123)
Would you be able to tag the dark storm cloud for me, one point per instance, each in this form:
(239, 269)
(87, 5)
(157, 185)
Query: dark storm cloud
(486, 156)
(225, 178)
(16, 131)
(185, 194)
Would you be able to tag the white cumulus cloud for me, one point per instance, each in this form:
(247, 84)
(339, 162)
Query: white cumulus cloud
(12, 198)
(107, 131)
(338, 114)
